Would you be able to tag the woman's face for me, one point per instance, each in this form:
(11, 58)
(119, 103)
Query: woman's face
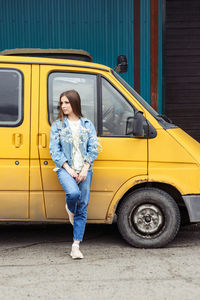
(66, 106)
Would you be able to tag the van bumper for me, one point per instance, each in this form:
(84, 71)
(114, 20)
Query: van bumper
(192, 203)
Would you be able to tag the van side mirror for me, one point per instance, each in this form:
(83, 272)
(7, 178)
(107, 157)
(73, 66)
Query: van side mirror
(134, 125)
(122, 64)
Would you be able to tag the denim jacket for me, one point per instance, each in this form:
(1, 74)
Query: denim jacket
(61, 142)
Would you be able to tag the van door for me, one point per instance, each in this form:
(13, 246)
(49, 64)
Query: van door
(122, 157)
(53, 81)
(15, 140)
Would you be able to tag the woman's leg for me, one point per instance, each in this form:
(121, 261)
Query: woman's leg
(80, 216)
(71, 189)
(77, 198)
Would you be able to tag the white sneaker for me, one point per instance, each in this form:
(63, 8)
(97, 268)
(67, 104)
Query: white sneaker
(76, 253)
(70, 214)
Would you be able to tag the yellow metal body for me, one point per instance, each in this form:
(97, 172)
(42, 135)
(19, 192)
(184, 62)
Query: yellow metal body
(30, 189)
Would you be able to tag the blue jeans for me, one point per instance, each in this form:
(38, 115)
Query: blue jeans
(77, 199)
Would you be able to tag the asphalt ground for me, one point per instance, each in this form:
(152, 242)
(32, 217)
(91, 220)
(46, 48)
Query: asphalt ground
(35, 264)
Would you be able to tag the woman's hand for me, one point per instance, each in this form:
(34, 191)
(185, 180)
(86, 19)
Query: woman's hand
(83, 174)
(71, 171)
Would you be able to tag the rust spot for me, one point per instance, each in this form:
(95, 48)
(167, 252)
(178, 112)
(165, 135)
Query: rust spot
(141, 180)
(109, 218)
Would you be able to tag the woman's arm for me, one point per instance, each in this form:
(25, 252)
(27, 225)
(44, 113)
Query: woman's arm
(92, 145)
(71, 171)
(55, 147)
(83, 174)
(92, 151)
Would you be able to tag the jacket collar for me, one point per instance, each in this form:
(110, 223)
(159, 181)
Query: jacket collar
(83, 121)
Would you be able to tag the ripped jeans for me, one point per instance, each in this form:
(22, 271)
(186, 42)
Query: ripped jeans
(77, 199)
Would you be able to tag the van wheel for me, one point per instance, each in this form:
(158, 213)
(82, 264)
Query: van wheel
(148, 218)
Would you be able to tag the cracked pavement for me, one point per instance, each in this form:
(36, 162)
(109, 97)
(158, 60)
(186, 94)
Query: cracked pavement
(35, 264)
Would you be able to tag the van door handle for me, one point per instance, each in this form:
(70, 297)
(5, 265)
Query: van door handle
(17, 139)
(43, 140)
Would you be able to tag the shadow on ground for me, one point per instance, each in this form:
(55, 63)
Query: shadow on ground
(17, 233)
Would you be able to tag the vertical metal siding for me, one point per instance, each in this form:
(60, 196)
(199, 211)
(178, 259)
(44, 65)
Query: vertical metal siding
(103, 27)
(145, 82)
(137, 45)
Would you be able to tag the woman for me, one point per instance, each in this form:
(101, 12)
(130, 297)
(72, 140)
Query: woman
(73, 148)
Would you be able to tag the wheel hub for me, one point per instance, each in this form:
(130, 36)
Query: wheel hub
(148, 218)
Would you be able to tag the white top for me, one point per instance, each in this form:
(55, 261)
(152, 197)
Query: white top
(77, 158)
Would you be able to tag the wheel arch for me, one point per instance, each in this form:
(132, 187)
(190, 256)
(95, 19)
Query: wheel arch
(168, 188)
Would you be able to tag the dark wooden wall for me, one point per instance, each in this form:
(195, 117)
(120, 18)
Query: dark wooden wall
(183, 64)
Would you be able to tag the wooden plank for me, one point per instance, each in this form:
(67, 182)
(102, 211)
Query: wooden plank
(183, 64)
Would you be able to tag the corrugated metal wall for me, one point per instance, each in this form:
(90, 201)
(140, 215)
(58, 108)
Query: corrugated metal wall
(104, 28)
(148, 58)
(145, 39)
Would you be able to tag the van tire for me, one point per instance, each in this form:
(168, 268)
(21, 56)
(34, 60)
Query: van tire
(148, 218)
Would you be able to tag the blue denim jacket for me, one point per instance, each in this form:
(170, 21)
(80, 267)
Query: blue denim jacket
(61, 142)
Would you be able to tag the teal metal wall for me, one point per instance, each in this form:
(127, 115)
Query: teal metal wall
(145, 53)
(104, 27)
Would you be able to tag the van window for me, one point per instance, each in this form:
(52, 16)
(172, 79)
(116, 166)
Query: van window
(136, 95)
(11, 98)
(115, 111)
(84, 84)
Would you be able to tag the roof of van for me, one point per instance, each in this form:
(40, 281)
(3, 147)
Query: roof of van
(77, 54)
(62, 57)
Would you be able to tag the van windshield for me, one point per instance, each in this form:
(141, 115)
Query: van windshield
(163, 120)
(136, 95)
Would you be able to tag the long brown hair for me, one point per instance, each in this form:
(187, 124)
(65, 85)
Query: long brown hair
(74, 100)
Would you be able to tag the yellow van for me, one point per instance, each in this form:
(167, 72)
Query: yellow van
(147, 175)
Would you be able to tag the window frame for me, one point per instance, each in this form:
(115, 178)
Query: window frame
(20, 102)
(73, 72)
(100, 111)
(99, 86)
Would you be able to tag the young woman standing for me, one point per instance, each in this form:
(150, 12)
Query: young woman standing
(73, 148)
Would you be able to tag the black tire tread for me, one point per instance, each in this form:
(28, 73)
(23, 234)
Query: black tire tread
(156, 244)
